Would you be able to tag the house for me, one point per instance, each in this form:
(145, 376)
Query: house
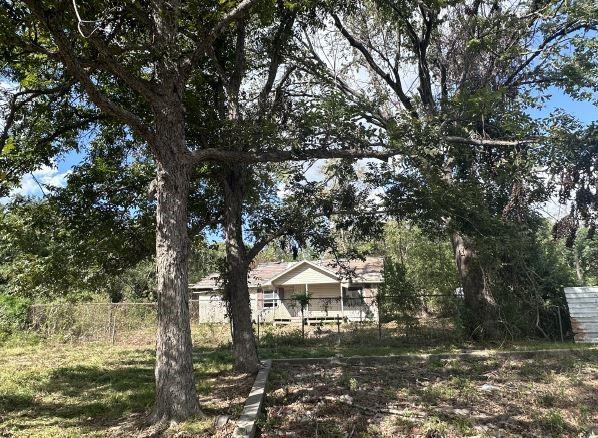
(347, 290)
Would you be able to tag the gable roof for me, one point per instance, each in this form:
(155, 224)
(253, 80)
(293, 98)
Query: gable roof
(358, 271)
(319, 268)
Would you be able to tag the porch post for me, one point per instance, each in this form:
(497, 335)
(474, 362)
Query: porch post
(307, 306)
(342, 306)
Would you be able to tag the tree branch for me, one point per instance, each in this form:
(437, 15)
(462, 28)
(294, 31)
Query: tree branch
(76, 69)
(144, 87)
(282, 35)
(265, 240)
(489, 142)
(567, 29)
(236, 13)
(14, 106)
(394, 85)
(277, 156)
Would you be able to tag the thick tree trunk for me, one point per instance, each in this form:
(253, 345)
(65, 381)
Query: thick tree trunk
(244, 345)
(481, 309)
(176, 396)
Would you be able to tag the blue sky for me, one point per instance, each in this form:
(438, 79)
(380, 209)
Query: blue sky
(584, 111)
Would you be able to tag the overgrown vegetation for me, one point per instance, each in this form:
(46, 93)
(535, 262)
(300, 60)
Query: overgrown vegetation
(397, 299)
(14, 312)
(195, 118)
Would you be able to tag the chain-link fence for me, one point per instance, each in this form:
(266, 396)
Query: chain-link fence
(310, 321)
(122, 323)
(135, 323)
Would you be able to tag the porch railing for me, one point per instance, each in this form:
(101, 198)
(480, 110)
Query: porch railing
(318, 309)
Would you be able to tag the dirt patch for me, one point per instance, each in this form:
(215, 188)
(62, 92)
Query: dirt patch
(542, 396)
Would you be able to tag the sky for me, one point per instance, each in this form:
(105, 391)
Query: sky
(584, 111)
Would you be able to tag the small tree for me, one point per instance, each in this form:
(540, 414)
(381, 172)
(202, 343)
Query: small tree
(303, 300)
(397, 298)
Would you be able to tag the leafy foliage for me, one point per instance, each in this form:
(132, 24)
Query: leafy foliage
(13, 313)
(46, 256)
(586, 259)
(527, 272)
(397, 298)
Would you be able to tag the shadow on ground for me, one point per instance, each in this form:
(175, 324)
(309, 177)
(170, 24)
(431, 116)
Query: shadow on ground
(91, 397)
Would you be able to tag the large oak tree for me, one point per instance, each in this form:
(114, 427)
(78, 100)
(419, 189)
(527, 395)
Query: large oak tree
(146, 66)
(450, 85)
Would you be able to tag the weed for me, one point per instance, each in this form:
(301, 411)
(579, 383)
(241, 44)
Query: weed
(554, 422)
(327, 429)
(547, 400)
(434, 427)
(584, 415)
(348, 382)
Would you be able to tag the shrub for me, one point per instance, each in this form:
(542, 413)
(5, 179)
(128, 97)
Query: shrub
(397, 299)
(13, 313)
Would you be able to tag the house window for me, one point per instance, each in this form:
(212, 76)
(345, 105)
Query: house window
(271, 299)
(352, 296)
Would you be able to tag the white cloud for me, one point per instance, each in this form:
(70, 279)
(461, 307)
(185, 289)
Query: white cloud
(45, 176)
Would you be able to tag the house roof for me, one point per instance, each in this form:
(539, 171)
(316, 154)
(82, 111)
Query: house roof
(357, 271)
(314, 265)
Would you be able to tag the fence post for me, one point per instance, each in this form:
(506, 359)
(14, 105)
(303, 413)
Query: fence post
(379, 304)
(558, 312)
(302, 324)
(113, 325)
(109, 325)
(258, 329)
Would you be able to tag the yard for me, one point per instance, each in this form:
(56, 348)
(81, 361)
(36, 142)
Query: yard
(56, 387)
(494, 395)
(98, 390)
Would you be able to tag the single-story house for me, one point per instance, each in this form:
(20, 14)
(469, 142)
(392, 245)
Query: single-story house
(336, 291)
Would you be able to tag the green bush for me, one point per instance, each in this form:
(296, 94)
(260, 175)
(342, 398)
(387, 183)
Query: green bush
(13, 313)
(397, 298)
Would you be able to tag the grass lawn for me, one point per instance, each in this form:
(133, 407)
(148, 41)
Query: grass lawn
(484, 396)
(99, 390)
(61, 388)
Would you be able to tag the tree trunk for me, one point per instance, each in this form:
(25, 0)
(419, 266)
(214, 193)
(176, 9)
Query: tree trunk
(481, 309)
(176, 396)
(244, 344)
(578, 269)
(236, 289)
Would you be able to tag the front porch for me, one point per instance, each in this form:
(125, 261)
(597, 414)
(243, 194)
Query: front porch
(328, 302)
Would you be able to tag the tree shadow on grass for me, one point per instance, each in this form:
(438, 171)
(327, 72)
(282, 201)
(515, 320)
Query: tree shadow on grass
(96, 397)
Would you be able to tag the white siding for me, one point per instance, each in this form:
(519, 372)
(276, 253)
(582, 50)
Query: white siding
(325, 290)
(305, 274)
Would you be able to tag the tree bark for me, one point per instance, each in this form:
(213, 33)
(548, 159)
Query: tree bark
(481, 308)
(578, 269)
(176, 396)
(236, 289)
